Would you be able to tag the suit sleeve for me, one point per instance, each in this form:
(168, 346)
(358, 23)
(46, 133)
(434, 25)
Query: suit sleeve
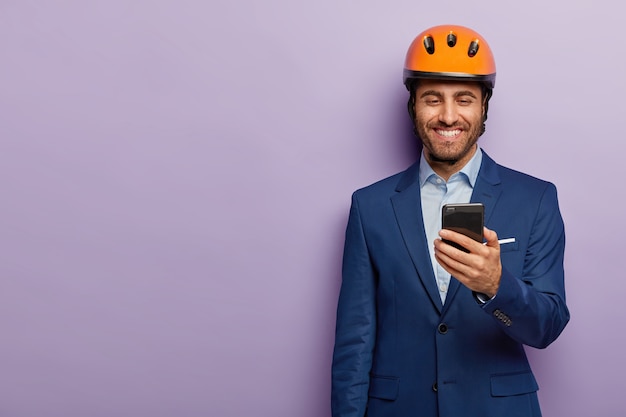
(531, 308)
(356, 324)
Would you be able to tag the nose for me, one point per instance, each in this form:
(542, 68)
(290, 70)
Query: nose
(448, 114)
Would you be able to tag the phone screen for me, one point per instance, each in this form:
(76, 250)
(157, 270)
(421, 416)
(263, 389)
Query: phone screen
(467, 219)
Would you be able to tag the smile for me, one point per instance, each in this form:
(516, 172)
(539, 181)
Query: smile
(448, 133)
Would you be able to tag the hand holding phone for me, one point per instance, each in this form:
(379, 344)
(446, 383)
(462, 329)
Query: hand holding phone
(465, 218)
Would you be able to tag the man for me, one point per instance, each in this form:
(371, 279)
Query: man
(425, 329)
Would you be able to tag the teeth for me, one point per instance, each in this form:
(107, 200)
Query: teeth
(449, 133)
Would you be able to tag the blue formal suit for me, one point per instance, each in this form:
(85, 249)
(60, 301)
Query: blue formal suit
(399, 352)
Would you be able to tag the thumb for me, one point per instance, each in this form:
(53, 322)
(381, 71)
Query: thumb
(491, 237)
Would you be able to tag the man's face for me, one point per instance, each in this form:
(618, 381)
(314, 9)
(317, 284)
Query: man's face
(448, 119)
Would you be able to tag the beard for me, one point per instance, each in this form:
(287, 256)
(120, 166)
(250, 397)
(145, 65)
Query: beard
(449, 152)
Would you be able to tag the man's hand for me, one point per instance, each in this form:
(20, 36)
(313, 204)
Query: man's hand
(480, 269)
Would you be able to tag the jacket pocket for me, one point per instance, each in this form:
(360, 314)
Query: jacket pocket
(509, 247)
(518, 383)
(384, 387)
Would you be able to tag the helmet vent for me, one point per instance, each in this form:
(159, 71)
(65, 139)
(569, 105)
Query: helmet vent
(473, 48)
(451, 39)
(429, 44)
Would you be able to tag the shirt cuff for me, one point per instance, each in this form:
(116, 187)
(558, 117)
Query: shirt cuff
(482, 298)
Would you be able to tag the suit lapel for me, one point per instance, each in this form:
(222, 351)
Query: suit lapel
(486, 191)
(407, 206)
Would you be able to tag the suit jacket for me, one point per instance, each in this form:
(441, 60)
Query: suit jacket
(400, 352)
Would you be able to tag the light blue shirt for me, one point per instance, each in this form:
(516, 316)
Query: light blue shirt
(435, 193)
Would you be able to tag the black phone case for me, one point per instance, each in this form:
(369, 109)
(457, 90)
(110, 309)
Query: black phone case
(464, 218)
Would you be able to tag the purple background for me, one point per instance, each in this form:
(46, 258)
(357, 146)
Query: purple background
(176, 178)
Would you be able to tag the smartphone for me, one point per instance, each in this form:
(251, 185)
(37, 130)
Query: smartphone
(464, 218)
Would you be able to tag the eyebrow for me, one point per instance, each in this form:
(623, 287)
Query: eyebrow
(438, 94)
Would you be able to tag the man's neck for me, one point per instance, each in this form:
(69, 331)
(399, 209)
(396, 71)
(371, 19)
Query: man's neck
(446, 169)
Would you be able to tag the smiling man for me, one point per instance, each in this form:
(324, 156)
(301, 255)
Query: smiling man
(448, 118)
(425, 329)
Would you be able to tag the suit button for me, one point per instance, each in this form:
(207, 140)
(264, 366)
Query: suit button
(442, 328)
(435, 386)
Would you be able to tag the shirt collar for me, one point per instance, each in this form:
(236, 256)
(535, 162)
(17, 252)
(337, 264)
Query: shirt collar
(470, 170)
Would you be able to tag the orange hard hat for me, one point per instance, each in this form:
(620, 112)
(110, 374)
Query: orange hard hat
(450, 52)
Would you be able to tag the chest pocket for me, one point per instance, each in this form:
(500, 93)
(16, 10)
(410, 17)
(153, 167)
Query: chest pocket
(509, 247)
